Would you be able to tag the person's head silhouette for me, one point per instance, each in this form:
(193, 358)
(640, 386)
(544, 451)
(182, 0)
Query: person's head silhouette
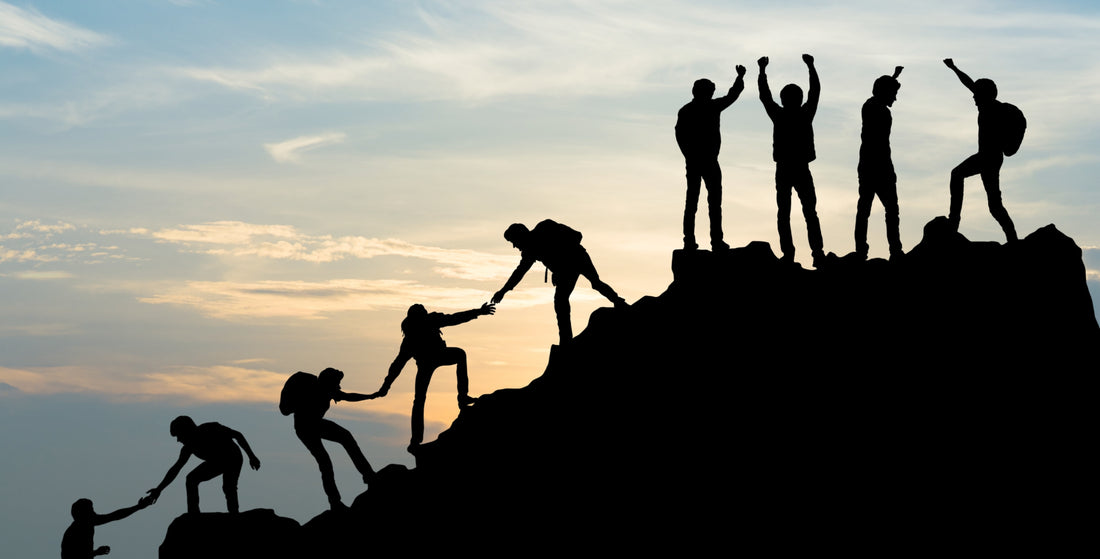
(82, 510)
(886, 90)
(702, 89)
(984, 91)
(181, 428)
(516, 234)
(330, 378)
(791, 96)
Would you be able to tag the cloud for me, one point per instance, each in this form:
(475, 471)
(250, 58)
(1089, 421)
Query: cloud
(214, 383)
(37, 244)
(43, 275)
(234, 300)
(29, 29)
(283, 242)
(559, 49)
(289, 151)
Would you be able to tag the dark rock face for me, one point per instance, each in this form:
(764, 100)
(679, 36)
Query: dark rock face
(939, 402)
(254, 533)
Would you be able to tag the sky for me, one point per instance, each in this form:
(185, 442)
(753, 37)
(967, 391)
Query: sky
(199, 198)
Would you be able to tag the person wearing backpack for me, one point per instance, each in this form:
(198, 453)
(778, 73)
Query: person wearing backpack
(1000, 130)
(423, 341)
(308, 397)
(559, 248)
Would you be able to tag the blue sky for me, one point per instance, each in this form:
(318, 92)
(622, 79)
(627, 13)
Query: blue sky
(198, 198)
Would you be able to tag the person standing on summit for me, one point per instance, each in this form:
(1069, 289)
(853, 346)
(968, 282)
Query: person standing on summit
(793, 150)
(559, 248)
(697, 134)
(1000, 130)
(876, 169)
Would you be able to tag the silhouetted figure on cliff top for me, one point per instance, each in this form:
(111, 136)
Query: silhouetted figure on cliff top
(79, 539)
(424, 342)
(699, 138)
(308, 397)
(793, 150)
(1000, 131)
(876, 169)
(559, 248)
(216, 445)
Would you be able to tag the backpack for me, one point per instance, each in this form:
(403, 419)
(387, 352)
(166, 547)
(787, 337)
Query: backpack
(296, 387)
(1013, 125)
(557, 235)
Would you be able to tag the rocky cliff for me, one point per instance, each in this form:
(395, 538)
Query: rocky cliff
(941, 402)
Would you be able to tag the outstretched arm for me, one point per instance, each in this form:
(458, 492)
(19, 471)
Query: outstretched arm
(171, 475)
(735, 89)
(341, 396)
(466, 316)
(121, 513)
(252, 460)
(965, 79)
(762, 84)
(399, 362)
(815, 85)
(524, 265)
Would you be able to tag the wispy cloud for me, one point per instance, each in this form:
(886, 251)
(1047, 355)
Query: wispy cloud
(214, 383)
(283, 242)
(29, 29)
(23, 255)
(289, 151)
(34, 241)
(231, 300)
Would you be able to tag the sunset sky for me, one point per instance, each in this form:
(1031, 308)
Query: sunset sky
(199, 198)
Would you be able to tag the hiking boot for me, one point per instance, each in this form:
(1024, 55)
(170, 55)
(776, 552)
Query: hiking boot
(465, 400)
(719, 246)
(690, 244)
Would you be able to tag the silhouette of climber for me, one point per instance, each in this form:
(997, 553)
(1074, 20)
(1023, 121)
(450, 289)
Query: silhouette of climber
(793, 150)
(559, 248)
(311, 403)
(79, 539)
(987, 162)
(214, 444)
(697, 134)
(876, 170)
(424, 342)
